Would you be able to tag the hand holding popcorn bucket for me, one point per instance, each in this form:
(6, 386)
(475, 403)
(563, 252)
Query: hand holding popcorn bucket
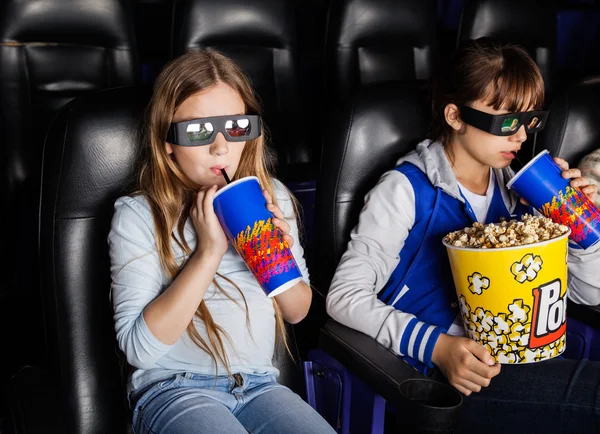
(511, 283)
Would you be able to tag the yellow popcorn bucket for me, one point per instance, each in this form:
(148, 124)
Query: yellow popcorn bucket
(513, 300)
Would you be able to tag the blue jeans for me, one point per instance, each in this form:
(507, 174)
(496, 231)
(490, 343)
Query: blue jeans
(554, 396)
(193, 403)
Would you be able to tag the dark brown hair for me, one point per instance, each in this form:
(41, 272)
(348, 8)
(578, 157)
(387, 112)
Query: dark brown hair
(503, 75)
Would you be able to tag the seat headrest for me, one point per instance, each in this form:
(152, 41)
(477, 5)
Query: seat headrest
(105, 23)
(381, 123)
(573, 128)
(91, 151)
(266, 23)
(385, 122)
(369, 22)
(523, 22)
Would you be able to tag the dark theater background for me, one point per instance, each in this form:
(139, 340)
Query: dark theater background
(75, 76)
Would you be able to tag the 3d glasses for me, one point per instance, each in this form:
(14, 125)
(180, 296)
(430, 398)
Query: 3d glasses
(203, 131)
(506, 124)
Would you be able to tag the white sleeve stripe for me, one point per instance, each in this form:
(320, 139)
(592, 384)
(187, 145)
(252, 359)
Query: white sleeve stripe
(424, 342)
(413, 337)
(400, 295)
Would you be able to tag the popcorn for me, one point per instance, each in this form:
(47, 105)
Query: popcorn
(508, 234)
(506, 335)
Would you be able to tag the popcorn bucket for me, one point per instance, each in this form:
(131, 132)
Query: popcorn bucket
(513, 300)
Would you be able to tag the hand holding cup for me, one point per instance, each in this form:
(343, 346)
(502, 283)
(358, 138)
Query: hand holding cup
(279, 219)
(577, 181)
(211, 238)
(259, 233)
(543, 184)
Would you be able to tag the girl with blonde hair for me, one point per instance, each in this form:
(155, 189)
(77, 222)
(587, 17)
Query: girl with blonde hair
(191, 319)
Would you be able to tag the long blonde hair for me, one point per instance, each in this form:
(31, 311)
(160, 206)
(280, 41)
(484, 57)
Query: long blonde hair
(171, 193)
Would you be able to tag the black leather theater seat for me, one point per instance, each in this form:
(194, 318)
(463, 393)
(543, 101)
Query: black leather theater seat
(377, 126)
(50, 52)
(380, 124)
(529, 23)
(573, 127)
(260, 35)
(373, 40)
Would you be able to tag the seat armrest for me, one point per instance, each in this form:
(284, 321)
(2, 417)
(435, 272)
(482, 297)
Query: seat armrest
(34, 402)
(364, 357)
(589, 315)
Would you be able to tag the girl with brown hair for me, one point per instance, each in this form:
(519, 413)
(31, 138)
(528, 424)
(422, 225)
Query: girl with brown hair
(394, 281)
(190, 317)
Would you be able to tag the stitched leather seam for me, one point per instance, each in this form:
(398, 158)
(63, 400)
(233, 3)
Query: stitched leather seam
(63, 219)
(54, 206)
(58, 44)
(337, 182)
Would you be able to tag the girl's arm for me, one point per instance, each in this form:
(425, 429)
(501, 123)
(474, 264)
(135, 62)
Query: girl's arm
(584, 275)
(137, 279)
(168, 315)
(148, 320)
(295, 302)
(366, 266)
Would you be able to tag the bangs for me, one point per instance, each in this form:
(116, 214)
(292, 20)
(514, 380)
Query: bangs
(517, 89)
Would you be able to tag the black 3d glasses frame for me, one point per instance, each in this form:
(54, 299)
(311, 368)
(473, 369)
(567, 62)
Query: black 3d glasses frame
(203, 131)
(505, 124)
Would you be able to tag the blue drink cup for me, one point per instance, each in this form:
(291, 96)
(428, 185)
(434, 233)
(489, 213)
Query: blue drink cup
(241, 209)
(540, 182)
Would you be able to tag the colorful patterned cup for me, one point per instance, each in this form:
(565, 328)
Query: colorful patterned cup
(541, 184)
(241, 209)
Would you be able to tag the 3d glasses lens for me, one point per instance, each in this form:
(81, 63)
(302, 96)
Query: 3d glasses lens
(199, 132)
(510, 124)
(238, 127)
(534, 123)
